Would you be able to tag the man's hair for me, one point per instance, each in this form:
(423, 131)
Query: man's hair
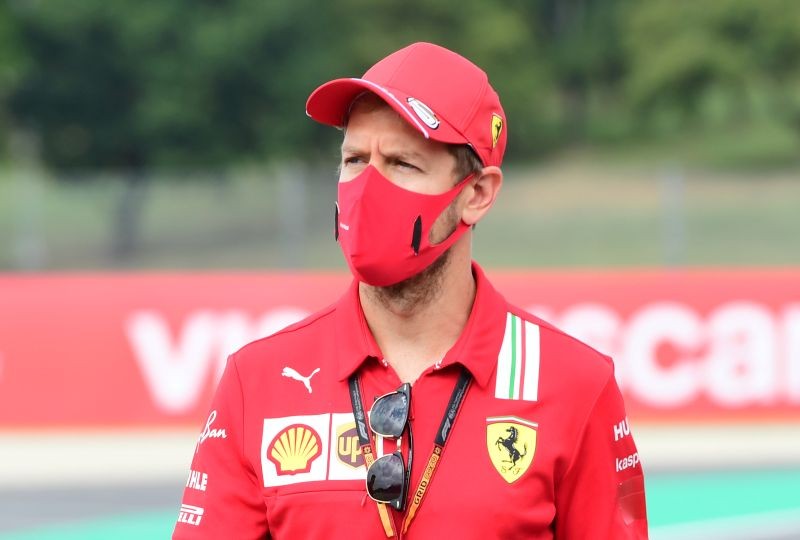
(467, 160)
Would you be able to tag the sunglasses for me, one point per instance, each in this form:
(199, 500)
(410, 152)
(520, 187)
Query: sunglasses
(388, 477)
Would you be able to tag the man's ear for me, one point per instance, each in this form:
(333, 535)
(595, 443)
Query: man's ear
(481, 193)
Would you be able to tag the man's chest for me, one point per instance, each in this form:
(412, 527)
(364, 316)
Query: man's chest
(494, 478)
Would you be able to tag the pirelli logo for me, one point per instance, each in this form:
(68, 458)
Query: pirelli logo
(191, 515)
(518, 361)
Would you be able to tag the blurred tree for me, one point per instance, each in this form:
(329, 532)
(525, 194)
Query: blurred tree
(12, 60)
(80, 98)
(581, 40)
(191, 84)
(79, 93)
(725, 61)
(199, 83)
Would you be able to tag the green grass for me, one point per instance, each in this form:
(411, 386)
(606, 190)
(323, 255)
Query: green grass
(581, 210)
(706, 495)
(123, 527)
(578, 215)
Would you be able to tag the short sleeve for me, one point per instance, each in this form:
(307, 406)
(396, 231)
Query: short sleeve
(601, 495)
(222, 498)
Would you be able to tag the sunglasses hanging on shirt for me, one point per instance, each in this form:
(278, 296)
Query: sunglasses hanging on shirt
(388, 477)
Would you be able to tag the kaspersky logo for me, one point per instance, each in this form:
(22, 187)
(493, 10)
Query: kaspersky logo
(294, 449)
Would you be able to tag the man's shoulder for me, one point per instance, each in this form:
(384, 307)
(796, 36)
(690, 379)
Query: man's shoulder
(296, 338)
(564, 352)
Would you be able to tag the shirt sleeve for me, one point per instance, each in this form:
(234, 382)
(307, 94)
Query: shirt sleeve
(601, 495)
(222, 498)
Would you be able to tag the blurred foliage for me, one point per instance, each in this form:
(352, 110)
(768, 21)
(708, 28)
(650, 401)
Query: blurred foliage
(715, 63)
(208, 83)
(11, 62)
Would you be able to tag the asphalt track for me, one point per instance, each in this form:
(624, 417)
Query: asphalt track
(760, 504)
(75, 507)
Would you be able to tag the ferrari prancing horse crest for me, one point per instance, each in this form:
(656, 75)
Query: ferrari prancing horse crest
(497, 128)
(511, 443)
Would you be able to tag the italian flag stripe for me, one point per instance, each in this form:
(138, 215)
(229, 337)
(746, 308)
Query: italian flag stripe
(502, 384)
(513, 390)
(518, 361)
(530, 381)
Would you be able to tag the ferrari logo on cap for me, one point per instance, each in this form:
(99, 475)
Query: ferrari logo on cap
(511, 443)
(497, 128)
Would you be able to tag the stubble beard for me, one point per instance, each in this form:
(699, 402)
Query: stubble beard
(422, 289)
(415, 292)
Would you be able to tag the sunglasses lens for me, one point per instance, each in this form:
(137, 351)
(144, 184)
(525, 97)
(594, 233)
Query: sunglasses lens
(385, 478)
(389, 415)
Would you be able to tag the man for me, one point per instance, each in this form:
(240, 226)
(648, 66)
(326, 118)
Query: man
(466, 416)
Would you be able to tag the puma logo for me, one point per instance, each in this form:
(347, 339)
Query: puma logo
(292, 374)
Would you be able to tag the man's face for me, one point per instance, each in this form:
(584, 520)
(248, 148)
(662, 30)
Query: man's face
(377, 136)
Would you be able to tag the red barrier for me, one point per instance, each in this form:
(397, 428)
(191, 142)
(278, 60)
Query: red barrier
(146, 349)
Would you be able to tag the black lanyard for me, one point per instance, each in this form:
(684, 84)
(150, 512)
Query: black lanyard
(445, 427)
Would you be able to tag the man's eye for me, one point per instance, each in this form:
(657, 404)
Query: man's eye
(406, 165)
(352, 160)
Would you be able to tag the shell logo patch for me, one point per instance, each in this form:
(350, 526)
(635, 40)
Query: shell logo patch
(348, 450)
(310, 448)
(424, 113)
(294, 449)
(511, 443)
(497, 128)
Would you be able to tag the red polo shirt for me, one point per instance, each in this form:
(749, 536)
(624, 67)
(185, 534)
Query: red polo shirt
(540, 449)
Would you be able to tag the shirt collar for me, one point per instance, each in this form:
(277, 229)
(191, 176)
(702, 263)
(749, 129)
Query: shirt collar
(476, 348)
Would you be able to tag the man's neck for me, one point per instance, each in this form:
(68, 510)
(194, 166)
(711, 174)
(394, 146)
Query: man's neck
(415, 330)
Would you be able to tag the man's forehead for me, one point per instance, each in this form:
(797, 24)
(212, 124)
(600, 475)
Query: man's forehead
(367, 106)
(367, 101)
(393, 130)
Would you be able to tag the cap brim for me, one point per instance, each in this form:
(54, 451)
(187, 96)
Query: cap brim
(330, 104)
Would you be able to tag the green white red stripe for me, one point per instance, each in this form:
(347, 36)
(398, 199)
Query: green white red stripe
(518, 361)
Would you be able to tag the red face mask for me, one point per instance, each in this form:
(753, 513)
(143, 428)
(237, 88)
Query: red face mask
(384, 230)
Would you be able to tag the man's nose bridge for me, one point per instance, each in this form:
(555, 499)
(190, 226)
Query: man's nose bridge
(376, 158)
(381, 165)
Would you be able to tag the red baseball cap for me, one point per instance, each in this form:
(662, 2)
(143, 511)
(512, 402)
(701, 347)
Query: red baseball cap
(440, 93)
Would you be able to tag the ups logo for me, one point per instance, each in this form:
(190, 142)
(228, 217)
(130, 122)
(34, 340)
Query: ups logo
(348, 450)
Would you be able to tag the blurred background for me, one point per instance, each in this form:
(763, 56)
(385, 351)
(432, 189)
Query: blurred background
(655, 136)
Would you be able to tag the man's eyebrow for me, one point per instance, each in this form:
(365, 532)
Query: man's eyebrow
(402, 155)
(349, 149)
(405, 155)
